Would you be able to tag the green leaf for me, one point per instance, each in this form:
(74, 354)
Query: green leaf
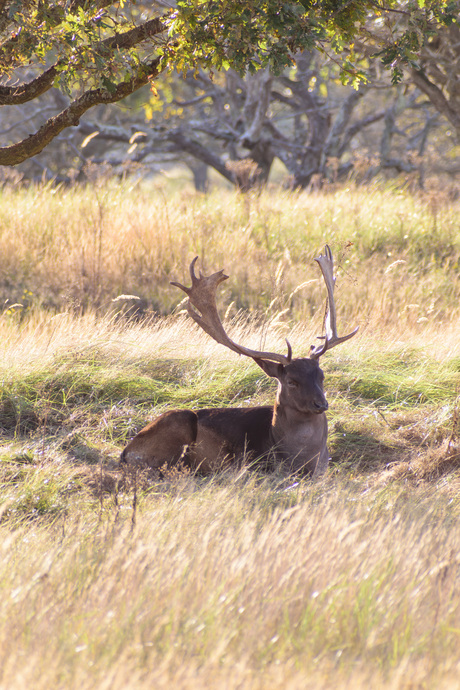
(109, 85)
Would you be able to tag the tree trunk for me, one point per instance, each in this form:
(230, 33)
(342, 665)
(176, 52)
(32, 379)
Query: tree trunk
(200, 175)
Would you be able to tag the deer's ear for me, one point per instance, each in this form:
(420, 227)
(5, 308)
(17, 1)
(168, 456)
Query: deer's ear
(273, 369)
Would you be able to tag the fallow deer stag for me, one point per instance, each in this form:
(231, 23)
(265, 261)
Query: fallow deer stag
(292, 434)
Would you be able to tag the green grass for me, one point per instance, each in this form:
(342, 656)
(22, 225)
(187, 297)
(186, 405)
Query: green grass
(399, 378)
(109, 578)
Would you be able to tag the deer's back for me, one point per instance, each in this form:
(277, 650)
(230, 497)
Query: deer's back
(206, 439)
(227, 436)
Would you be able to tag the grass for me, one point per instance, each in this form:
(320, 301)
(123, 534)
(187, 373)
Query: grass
(113, 579)
(82, 248)
(240, 585)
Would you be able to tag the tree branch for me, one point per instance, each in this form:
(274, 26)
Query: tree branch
(436, 97)
(175, 140)
(22, 93)
(332, 144)
(107, 132)
(32, 40)
(70, 116)
(256, 106)
(16, 95)
(354, 129)
(200, 152)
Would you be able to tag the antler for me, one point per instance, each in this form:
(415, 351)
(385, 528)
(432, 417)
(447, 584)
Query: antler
(202, 295)
(326, 264)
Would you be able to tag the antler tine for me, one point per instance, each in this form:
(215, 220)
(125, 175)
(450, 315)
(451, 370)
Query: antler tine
(326, 264)
(202, 296)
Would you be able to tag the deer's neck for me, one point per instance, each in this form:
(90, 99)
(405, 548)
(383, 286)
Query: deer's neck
(288, 420)
(300, 439)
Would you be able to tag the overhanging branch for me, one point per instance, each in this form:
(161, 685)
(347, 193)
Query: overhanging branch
(70, 116)
(22, 93)
(7, 47)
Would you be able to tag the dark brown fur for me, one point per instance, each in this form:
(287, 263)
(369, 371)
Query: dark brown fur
(293, 432)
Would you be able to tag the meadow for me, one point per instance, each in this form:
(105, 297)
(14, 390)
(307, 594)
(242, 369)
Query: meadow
(114, 579)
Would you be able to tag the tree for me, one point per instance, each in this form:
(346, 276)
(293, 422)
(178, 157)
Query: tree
(434, 66)
(439, 75)
(98, 52)
(91, 50)
(321, 130)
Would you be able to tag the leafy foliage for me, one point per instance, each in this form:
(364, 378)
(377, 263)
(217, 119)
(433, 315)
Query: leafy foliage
(100, 52)
(247, 35)
(74, 37)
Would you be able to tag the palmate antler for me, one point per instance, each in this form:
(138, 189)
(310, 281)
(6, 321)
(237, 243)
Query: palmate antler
(331, 339)
(202, 296)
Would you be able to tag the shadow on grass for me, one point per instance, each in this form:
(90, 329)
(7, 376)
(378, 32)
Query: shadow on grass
(364, 452)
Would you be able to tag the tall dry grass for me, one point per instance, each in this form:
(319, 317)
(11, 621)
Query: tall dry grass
(398, 254)
(239, 581)
(237, 586)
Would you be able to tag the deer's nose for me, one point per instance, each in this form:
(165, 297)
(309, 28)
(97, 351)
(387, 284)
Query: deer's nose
(320, 406)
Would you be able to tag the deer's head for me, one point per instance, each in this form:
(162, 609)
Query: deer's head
(300, 384)
(300, 381)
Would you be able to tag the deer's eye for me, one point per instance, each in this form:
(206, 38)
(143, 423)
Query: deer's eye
(292, 384)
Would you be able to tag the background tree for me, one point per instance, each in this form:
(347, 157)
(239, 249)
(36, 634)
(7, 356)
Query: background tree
(100, 52)
(434, 67)
(321, 130)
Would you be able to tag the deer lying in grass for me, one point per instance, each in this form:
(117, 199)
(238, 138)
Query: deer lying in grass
(291, 434)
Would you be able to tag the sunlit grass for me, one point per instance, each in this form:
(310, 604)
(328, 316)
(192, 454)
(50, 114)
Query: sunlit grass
(398, 255)
(113, 579)
(238, 584)
(86, 385)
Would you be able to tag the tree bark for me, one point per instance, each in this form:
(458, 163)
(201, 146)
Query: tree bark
(437, 98)
(70, 116)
